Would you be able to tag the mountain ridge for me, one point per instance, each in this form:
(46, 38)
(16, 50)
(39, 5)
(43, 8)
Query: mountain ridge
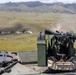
(37, 6)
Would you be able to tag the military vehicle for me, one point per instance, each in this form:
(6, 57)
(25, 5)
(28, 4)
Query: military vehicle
(56, 50)
(17, 63)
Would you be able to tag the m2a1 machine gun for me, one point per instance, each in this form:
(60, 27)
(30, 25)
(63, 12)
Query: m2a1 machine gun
(56, 50)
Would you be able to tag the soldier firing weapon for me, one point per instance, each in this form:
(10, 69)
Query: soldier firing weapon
(58, 46)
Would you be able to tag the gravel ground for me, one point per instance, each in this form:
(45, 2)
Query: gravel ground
(28, 69)
(33, 69)
(19, 69)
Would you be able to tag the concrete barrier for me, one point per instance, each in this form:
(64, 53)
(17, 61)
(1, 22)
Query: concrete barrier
(26, 57)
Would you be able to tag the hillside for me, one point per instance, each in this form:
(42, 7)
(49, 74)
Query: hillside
(39, 7)
(35, 16)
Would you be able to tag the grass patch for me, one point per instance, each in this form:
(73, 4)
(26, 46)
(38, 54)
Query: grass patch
(36, 22)
(18, 42)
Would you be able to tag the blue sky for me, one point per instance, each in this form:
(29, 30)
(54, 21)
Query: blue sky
(45, 1)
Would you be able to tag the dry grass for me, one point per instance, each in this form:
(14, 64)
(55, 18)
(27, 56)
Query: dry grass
(34, 21)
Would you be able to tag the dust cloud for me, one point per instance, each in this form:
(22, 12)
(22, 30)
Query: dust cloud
(58, 27)
(66, 23)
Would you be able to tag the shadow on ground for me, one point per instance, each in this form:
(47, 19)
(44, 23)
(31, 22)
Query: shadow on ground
(51, 71)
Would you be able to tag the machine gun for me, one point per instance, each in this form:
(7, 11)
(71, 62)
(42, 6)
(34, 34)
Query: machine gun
(57, 47)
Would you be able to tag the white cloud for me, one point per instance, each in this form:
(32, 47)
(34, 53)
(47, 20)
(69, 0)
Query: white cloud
(67, 1)
(48, 1)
